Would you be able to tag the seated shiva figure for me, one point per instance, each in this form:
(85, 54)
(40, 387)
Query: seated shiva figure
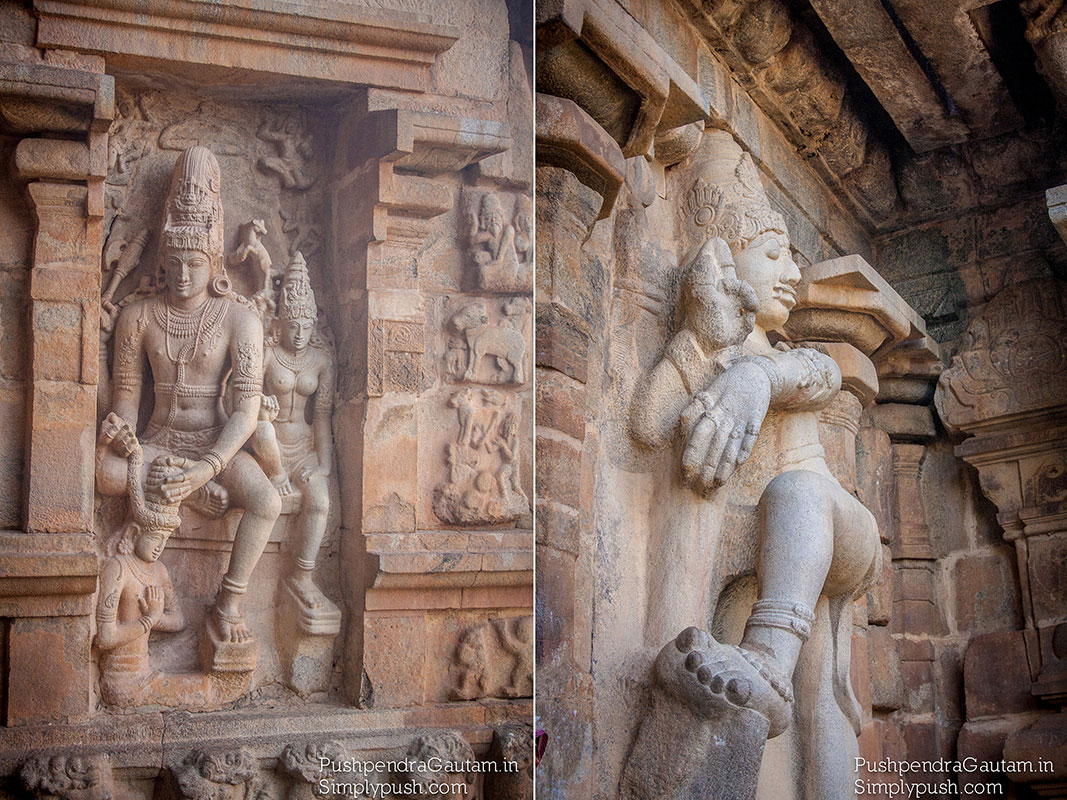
(199, 339)
(734, 395)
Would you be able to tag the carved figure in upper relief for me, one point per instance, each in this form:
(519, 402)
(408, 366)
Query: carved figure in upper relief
(199, 340)
(136, 595)
(732, 394)
(252, 249)
(524, 236)
(492, 240)
(298, 454)
(505, 346)
(484, 485)
(292, 165)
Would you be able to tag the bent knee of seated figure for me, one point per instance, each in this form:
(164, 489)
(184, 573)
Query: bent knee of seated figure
(317, 496)
(250, 489)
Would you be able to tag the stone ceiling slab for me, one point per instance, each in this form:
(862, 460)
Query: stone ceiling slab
(869, 39)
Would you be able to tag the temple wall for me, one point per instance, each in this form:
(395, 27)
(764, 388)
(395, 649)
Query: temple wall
(361, 153)
(626, 88)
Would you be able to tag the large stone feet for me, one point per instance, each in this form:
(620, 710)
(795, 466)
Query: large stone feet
(713, 707)
(709, 674)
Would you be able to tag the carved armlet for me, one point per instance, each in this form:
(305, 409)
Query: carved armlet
(802, 379)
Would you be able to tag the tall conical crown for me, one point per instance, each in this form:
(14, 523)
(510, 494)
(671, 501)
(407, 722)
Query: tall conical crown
(194, 205)
(297, 300)
(724, 196)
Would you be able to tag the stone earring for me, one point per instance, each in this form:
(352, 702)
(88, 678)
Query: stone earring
(220, 286)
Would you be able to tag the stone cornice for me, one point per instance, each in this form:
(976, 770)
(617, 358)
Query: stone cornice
(349, 44)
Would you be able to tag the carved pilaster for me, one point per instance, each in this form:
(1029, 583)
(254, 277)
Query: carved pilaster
(1007, 388)
(50, 571)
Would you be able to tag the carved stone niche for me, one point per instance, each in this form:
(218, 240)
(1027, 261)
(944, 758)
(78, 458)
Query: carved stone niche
(1007, 389)
(257, 221)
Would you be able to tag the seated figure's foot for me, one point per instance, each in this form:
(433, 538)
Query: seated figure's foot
(231, 627)
(282, 484)
(212, 500)
(716, 676)
(306, 590)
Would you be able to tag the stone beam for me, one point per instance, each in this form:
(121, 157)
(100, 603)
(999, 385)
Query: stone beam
(949, 40)
(594, 53)
(1047, 31)
(868, 37)
(330, 41)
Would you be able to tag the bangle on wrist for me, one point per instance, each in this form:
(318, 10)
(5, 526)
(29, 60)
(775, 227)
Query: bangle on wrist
(215, 461)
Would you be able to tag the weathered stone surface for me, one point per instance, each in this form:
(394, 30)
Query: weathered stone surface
(997, 675)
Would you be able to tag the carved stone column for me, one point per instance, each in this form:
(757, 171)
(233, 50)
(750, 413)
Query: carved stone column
(395, 167)
(1007, 388)
(49, 570)
(867, 325)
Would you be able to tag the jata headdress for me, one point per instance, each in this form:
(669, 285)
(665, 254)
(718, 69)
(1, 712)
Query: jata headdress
(148, 508)
(194, 205)
(725, 198)
(297, 301)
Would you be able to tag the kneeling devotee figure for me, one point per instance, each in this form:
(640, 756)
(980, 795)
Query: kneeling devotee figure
(136, 595)
(200, 339)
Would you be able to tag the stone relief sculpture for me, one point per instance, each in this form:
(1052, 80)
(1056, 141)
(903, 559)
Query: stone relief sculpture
(303, 767)
(484, 485)
(451, 751)
(502, 346)
(496, 244)
(731, 394)
(67, 777)
(494, 659)
(223, 775)
(295, 151)
(296, 454)
(201, 341)
(252, 249)
(512, 743)
(136, 595)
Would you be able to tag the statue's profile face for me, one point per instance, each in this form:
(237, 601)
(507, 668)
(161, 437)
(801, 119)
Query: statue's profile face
(188, 273)
(149, 545)
(767, 266)
(296, 333)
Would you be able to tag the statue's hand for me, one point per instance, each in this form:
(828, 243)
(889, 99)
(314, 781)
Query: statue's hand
(119, 435)
(307, 473)
(151, 604)
(269, 408)
(722, 424)
(179, 477)
(721, 308)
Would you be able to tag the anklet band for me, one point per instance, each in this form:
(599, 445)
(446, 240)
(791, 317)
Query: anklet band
(784, 615)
